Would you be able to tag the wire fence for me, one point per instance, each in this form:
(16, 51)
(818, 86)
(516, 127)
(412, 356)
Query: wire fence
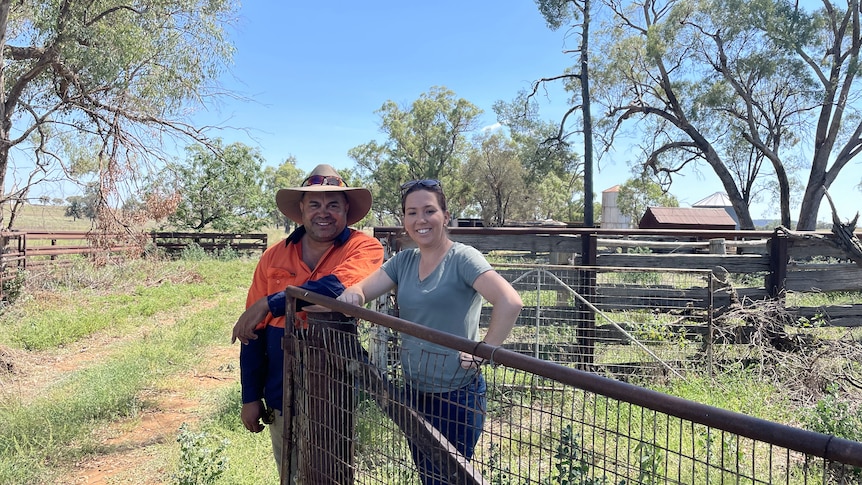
(356, 419)
(621, 322)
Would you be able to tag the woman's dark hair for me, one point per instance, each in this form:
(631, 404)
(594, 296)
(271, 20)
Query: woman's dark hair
(430, 185)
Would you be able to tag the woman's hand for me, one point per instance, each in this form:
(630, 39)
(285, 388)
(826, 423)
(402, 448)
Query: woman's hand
(352, 296)
(470, 361)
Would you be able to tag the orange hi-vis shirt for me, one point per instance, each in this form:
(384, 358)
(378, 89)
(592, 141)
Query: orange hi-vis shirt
(352, 257)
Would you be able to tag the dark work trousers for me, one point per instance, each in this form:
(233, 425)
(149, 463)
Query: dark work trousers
(459, 415)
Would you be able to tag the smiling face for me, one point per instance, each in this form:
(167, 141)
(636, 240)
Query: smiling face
(324, 215)
(424, 220)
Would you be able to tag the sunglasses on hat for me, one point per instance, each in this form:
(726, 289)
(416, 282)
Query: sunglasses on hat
(324, 180)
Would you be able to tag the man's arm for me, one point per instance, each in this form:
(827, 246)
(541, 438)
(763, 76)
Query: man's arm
(243, 330)
(255, 308)
(364, 255)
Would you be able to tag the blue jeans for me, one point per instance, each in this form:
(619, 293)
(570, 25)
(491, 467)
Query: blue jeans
(459, 415)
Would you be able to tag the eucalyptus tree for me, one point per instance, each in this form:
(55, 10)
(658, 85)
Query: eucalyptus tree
(553, 172)
(285, 175)
(579, 12)
(494, 164)
(694, 80)
(222, 189)
(425, 140)
(639, 193)
(118, 77)
(83, 206)
(827, 43)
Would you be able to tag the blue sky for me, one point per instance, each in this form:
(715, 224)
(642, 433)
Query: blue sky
(314, 73)
(319, 72)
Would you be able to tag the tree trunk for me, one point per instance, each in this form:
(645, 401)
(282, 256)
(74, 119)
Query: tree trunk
(4, 163)
(724, 175)
(784, 193)
(810, 206)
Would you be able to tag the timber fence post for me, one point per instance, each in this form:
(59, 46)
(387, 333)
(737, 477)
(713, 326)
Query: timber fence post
(586, 317)
(778, 259)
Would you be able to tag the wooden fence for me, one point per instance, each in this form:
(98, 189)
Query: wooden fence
(774, 262)
(27, 249)
(22, 250)
(770, 263)
(174, 242)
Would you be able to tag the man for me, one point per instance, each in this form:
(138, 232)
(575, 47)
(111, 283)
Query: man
(322, 255)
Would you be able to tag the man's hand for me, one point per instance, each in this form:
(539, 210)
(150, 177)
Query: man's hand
(243, 330)
(250, 415)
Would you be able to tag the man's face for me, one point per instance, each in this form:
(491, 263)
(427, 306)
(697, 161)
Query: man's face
(324, 214)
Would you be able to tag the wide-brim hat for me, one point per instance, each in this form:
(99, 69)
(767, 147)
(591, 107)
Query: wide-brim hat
(358, 198)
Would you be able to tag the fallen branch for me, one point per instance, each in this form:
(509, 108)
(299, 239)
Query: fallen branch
(845, 233)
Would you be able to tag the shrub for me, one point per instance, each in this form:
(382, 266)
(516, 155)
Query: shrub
(13, 288)
(572, 464)
(202, 458)
(194, 252)
(835, 417)
(228, 253)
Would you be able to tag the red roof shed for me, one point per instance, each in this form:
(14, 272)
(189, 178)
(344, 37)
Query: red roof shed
(686, 218)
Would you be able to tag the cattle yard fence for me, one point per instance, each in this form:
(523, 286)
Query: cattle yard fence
(545, 422)
(24, 250)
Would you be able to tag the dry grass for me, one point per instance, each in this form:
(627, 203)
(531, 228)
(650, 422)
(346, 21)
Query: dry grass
(806, 361)
(45, 217)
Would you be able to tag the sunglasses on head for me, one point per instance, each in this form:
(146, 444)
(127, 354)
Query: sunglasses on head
(324, 180)
(407, 187)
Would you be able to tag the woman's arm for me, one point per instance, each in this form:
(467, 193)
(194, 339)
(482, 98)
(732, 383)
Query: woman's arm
(506, 305)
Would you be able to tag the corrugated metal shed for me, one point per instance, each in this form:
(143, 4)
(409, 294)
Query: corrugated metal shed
(718, 199)
(686, 218)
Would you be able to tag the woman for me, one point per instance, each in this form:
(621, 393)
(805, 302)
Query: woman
(440, 284)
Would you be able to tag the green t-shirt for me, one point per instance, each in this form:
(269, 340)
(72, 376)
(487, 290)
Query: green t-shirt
(445, 301)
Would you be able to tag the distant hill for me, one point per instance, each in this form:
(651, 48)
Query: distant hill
(44, 217)
(765, 223)
(770, 224)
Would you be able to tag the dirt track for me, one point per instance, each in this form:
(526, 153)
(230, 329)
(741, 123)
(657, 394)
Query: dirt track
(129, 446)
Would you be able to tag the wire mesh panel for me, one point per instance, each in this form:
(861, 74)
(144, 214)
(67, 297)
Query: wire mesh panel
(430, 434)
(622, 322)
(323, 399)
(358, 420)
(542, 432)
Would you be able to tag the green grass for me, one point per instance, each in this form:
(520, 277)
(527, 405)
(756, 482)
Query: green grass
(164, 315)
(82, 305)
(545, 298)
(42, 434)
(813, 299)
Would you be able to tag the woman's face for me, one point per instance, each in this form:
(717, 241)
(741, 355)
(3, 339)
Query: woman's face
(424, 220)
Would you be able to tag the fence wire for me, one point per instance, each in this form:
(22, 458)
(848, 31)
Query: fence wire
(355, 421)
(621, 322)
